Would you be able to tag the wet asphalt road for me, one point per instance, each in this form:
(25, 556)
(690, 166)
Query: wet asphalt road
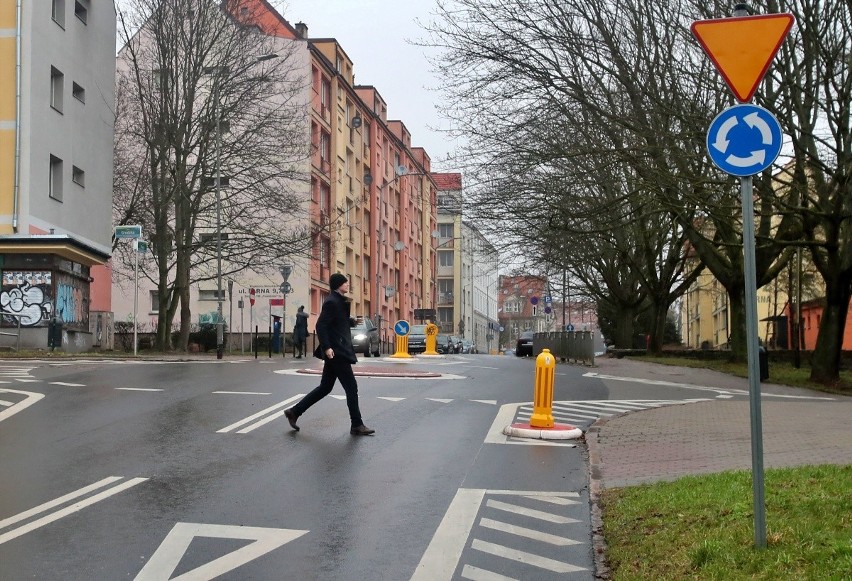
(154, 470)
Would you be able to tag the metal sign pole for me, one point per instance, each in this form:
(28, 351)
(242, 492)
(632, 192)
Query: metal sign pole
(135, 292)
(753, 363)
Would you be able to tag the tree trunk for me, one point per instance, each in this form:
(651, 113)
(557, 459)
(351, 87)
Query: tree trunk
(625, 315)
(825, 365)
(737, 341)
(658, 327)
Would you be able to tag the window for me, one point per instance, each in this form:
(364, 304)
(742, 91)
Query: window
(324, 251)
(78, 92)
(445, 258)
(78, 176)
(445, 230)
(210, 295)
(55, 183)
(325, 93)
(58, 12)
(155, 301)
(512, 307)
(81, 11)
(57, 85)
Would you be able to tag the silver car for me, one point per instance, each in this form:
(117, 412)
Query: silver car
(365, 337)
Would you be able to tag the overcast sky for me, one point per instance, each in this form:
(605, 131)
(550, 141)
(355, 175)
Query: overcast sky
(374, 33)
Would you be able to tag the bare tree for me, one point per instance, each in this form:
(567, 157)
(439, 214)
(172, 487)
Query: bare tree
(618, 82)
(202, 94)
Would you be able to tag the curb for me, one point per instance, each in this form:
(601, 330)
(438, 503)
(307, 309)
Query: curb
(557, 432)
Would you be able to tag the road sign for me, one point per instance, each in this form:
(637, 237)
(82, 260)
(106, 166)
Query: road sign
(141, 246)
(133, 231)
(548, 299)
(569, 327)
(742, 48)
(402, 328)
(744, 140)
(533, 300)
(251, 296)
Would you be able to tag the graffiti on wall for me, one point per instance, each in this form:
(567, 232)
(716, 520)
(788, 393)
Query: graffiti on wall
(29, 294)
(72, 301)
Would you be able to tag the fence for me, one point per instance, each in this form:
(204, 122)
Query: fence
(570, 346)
(17, 333)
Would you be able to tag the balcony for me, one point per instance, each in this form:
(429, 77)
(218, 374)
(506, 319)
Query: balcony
(445, 298)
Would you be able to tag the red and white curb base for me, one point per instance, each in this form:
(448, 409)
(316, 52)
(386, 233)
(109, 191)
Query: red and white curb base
(557, 432)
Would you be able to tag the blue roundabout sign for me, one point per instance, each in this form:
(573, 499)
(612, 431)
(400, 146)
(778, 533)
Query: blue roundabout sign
(744, 140)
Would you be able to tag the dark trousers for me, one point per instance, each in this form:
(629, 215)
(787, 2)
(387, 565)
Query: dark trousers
(301, 347)
(334, 369)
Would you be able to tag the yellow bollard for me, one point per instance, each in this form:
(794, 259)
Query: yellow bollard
(545, 372)
(401, 347)
(431, 339)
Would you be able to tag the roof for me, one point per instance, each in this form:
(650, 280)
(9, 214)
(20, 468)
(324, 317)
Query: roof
(264, 16)
(447, 181)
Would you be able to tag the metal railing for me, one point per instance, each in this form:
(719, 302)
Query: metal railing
(17, 334)
(571, 346)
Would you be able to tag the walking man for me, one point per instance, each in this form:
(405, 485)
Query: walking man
(335, 348)
(300, 332)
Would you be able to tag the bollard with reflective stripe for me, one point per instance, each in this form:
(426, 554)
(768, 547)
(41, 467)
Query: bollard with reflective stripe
(401, 347)
(545, 371)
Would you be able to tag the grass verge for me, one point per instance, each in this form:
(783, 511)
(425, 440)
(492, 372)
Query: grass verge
(780, 373)
(702, 527)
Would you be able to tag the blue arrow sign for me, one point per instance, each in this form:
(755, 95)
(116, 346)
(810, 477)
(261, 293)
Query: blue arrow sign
(402, 328)
(744, 140)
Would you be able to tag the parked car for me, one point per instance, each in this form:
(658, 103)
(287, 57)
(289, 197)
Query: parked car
(457, 343)
(417, 339)
(444, 344)
(468, 346)
(524, 346)
(365, 337)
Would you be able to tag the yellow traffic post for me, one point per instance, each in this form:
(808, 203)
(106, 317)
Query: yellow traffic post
(401, 329)
(545, 372)
(431, 339)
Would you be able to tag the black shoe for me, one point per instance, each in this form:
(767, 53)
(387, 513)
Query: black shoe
(291, 417)
(362, 430)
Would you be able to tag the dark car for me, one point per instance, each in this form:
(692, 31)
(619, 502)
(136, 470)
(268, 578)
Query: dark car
(365, 337)
(457, 343)
(417, 339)
(524, 346)
(444, 344)
(468, 347)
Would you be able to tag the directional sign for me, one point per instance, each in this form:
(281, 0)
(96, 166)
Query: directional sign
(133, 231)
(742, 48)
(141, 246)
(569, 327)
(402, 328)
(744, 140)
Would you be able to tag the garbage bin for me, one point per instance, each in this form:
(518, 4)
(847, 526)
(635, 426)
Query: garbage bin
(763, 360)
(54, 333)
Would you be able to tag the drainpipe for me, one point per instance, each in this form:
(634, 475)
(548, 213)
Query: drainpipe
(17, 117)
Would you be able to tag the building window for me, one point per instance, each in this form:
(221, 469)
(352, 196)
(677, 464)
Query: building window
(81, 11)
(445, 230)
(55, 183)
(325, 93)
(58, 12)
(57, 85)
(210, 295)
(325, 252)
(445, 258)
(78, 92)
(78, 176)
(155, 301)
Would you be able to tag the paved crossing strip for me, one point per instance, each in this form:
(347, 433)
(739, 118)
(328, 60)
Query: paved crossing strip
(585, 413)
(111, 486)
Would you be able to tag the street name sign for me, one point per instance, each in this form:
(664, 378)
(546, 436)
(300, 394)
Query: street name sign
(742, 48)
(744, 140)
(132, 231)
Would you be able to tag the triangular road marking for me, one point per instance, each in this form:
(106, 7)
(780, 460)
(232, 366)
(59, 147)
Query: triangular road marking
(439, 400)
(488, 401)
(742, 48)
(167, 557)
(391, 398)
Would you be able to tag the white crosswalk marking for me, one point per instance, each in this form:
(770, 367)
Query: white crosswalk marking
(525, 532)
(477, 574)
(585, 413)
(525, 557)
(530, 512)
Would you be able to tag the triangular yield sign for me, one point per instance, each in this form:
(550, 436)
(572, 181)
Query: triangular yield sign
(742, 48)
(166, 558)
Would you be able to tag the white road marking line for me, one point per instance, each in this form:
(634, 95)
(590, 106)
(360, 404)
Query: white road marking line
(552, 499)
(243, 392)
(444, 551)
(337, 396)
(530, 512)
(525, 557)
(31, 398)
(540, 494)
(15, 533)
(394, 399)
(168, 555)
(6, 403)
(138, 389)
(527, 533)
(261, 413)
(439, 400)
(66, 384)
(20, 380)
(488, 401)
(477, 574)
(700, 387)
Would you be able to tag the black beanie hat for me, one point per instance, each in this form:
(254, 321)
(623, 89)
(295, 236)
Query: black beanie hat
(337, 280)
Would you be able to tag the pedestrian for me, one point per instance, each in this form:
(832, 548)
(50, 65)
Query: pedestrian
(300, 332)
(336, 350)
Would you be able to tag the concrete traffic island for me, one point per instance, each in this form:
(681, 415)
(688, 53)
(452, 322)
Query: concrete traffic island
(556, 432)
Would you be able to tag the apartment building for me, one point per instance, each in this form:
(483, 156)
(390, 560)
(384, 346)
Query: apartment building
(521, 304)
(57, 71)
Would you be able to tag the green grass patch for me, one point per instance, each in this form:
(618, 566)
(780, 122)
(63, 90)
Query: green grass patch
(702, 527)
(782, 373)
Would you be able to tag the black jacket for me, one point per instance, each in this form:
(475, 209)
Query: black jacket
(334, 328)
